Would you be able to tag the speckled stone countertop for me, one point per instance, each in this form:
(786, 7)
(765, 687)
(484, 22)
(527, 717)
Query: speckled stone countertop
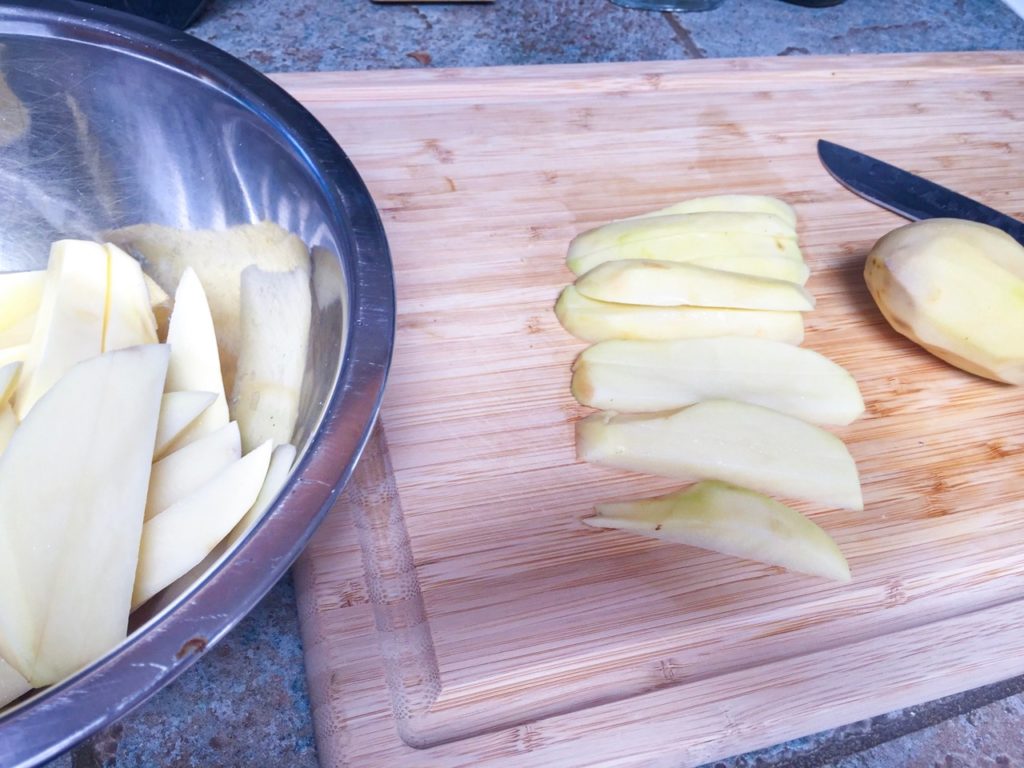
(245, 702)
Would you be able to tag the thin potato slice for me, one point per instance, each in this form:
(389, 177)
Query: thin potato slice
(673, 284)
(598, 320)
(738, 443)
(734, 521)
(653, 376)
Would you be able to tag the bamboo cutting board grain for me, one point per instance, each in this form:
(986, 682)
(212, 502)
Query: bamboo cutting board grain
(453, 601)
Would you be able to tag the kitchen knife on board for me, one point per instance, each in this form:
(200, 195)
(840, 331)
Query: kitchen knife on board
(906, 194)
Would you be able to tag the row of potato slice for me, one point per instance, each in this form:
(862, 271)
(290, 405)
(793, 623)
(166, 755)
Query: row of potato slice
(695, 314)
(124, 464)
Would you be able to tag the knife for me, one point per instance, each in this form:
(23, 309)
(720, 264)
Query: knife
(906, 194)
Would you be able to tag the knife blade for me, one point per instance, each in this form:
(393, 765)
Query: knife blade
(904, 193)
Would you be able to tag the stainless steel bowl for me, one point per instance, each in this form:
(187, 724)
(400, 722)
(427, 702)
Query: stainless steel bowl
(107, 120)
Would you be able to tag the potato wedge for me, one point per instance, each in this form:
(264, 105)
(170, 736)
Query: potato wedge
(734, 521)
(673, 284)
(82, 456)
(730, 204)
(598, 320)
(276, 312)
(738, 443)
(182, 535)
(218, 258)
(653, 376)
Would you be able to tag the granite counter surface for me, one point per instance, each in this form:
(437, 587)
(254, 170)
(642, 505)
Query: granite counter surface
(245, 703)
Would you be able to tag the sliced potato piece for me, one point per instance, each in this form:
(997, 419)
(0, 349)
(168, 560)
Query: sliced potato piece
(20, 295)
(178, 474)
(182, 535)
(684, 237)
(751, 254)
(73, 486)
(20, 333)
(195, 361)
(653, 376)
(673, 284)
(177, 411)
(218, 257)
(160, 303)
(129, 319)
(276, 310)
(8, 424)
(734, 521)
(599, 320)
(70, 320)
(8, 380)
(12, 684)
(739, 443)
(730, 204)
(281, 461)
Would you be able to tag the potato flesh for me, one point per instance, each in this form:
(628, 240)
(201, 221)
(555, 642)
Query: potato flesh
(180, 473)
(20, 295)
(218, 258)
(73, 535)
(653, 376)
(12, 684)
(730, 204)
(598, 321)
(779, 257)
(276, 311)
(8, 424)
(195, 359)
(281, 461)
(70, 321)
(182, 535)
(738, 443)
(940, 283)
(671, 284)
(734, 521)
(177, 411)
(129, 317)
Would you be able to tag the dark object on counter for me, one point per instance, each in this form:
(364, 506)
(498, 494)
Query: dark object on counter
(179, 14)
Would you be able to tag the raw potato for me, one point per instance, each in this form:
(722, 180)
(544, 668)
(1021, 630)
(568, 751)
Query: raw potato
(182, 535)
(739, 443)
(8, 380)
(177, 411)
(73, 487)
(218, 257)
(598, 320)
(128, 319)
(957, 289)
(177, 475)
(20, 294)
(777, 257)
(281, 461)
(673, 284)
(12, 685)
(730, 204)
(70, 319)
(653, 376)
(276, 310)
(734, 521)
(8, 424)
(195, 361)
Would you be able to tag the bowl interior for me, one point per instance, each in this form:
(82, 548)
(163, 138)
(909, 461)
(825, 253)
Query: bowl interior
(108, 121)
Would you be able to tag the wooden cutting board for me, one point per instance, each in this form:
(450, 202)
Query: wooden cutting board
(492, 627)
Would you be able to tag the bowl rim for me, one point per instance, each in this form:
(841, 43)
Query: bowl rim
(64, 714)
